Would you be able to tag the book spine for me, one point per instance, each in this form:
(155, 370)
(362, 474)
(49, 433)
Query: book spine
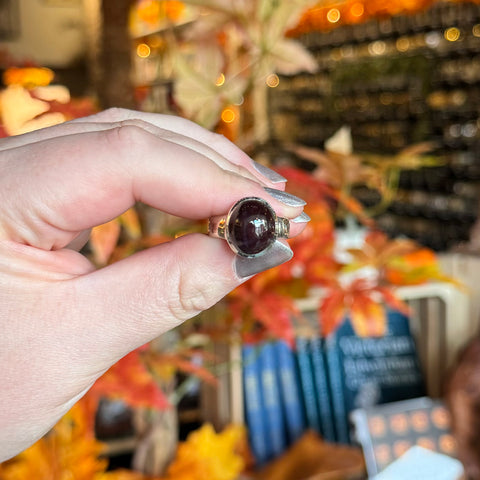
(253, 404)
(337, 389)
(307, 385)
(273, 414)
(289, 391)
(321, 381)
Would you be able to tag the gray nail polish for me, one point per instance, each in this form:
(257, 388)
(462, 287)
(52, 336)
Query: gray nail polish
(286, 198)
(276, 255)
(302, 218)
(268, 173)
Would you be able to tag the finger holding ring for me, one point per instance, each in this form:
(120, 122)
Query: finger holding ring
(250, 228)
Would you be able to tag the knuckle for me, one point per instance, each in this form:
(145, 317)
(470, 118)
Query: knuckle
(125, 136)
(112, 114)
(191, 291)
(191, 298)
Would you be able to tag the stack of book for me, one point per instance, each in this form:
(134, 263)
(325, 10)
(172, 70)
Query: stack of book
(318, 382)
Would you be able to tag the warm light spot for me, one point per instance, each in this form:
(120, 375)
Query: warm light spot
(273, 80)
(377, 48)
(357, 9)
(452, 34)
(143, 50)
(239, 101)
(402, 44)
(220, 80)
(228, 115)
(433, 39)
(333, 15)
(476, 30)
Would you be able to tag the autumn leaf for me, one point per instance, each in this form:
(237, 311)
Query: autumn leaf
(131, 223)
(393, 301)
(70, 450)
(276, 313)
(379, 251)
(198, 90)
(129, 247)
(130, 381)
(209, 455)
(103, 240)
(416, 268)
(337, 170)
(367, 316)
(182, 361)
(361, 301)
(332, 311)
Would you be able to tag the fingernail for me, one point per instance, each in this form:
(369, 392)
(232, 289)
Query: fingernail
(302, 218)
(286, 198)
(268, 173)
(279, 253)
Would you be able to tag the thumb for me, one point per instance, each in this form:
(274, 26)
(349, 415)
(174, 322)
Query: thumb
(136, 299)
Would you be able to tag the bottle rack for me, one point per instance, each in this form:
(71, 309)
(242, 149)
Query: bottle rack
(396, 82)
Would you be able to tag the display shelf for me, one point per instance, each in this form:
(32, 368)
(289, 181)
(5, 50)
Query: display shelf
(396, 82)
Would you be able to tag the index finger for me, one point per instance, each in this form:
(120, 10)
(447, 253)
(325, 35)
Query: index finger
(74, 182)
(197, 133)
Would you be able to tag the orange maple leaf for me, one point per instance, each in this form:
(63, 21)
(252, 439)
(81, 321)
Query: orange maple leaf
(368, 316)
(364, 302)
(130, 381)
(103, 240)
(332, 311)
(415, 268)
(379, 251)
(70, 450)
(184, 361)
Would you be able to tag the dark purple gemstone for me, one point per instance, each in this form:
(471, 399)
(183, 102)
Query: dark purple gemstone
(251, 227)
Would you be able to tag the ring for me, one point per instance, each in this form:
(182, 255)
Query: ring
(250, 227)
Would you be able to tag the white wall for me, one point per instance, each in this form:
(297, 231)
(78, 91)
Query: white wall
(52, 32)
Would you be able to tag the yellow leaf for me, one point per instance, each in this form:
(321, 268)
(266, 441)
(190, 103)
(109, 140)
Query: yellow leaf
(70, 450)
(103, 241)
(130, 221)
(206, 455)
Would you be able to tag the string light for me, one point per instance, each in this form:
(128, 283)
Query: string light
(333, 15)
(228, 115)
(143, 50)
(377, 48)
(452, 34)
(357, 9)
(402, 44)
(272, 80)
(220, 80)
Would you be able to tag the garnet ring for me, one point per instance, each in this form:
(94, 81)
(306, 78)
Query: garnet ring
(250, 227)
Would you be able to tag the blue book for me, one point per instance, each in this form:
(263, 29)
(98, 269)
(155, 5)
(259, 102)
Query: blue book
(307, 385)
(336, 390)
(273, 412)
(373, 370)
(289, 391)
(253, 404)
(322, 388)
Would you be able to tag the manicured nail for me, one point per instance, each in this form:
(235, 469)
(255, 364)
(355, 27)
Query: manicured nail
(279, 253)
(302, 218)
(268, 173)
(286, 198)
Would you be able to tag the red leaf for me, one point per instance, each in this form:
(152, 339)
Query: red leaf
(332, 311)
(130, 381)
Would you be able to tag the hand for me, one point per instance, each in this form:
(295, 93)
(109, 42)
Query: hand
(63, 322)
